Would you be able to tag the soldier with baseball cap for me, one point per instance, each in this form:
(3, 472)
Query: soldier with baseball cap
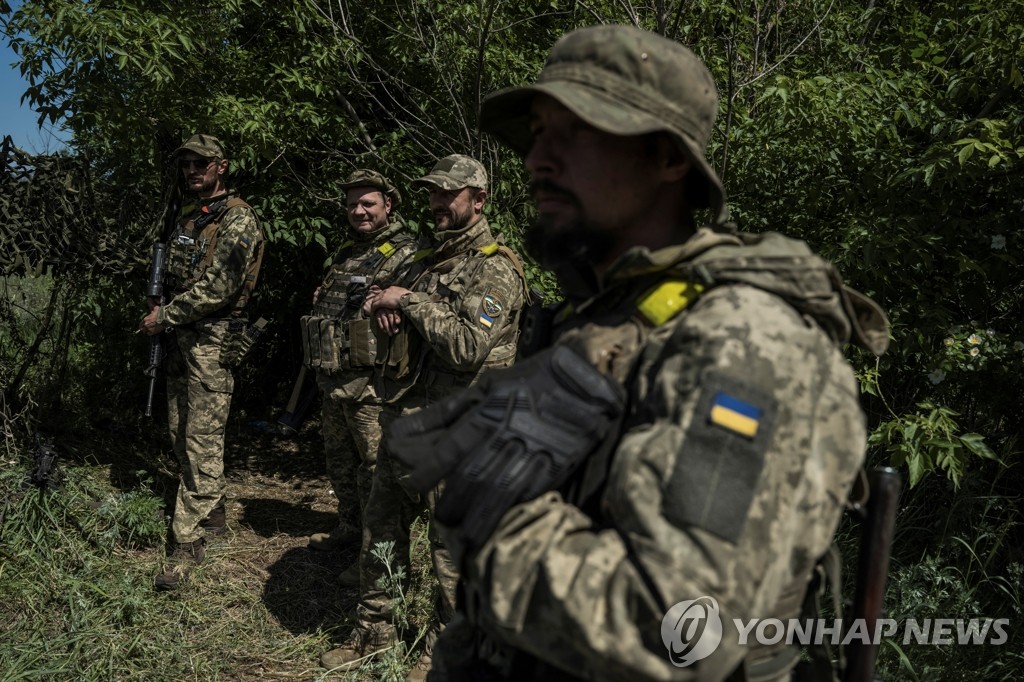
(339, 346)
(213, 263)
(679, 455)
(447, 327)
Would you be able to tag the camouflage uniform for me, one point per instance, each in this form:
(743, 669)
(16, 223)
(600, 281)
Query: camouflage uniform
(464, 311)
(341, 347)
(742, 432)
(213, 264)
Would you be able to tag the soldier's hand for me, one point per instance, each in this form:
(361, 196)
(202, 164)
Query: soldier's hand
(149, 325)
(519, 433)
(371, 293)
(388, 320)
(389, 298)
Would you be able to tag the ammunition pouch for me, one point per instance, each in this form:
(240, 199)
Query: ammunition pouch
(324, 346)
(362, 351)
(240, 340)
(330, 345)
(402, 359)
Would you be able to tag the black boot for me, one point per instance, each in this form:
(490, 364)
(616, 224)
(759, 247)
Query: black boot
(216, 522)
(185, 556)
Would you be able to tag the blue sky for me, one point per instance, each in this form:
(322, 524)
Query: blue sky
(16, 119)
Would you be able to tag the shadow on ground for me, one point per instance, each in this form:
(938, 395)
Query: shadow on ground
(303, 594)
(268, 517)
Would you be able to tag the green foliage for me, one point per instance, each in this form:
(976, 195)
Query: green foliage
(887, 137)
(928, 440)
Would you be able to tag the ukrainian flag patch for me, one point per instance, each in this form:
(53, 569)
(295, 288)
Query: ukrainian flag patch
(244, 243)
(735, 415)
(486, 320)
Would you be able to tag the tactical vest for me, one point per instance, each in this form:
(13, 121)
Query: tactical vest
(624, 321)
(404, 359)
(334, 335)
(192, 247)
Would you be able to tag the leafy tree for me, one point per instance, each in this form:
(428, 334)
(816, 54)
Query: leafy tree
(888, 135)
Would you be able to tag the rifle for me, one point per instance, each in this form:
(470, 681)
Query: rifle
(872, 568)
(155, 292)
(303, 395)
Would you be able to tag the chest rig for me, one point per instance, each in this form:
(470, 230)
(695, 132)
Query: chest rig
(335, 336)
(192, 246)
(400, 367)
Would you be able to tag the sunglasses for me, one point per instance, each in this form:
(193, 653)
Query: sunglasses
(200, 164)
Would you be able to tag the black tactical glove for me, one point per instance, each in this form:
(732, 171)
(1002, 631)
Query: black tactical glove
(518, 433)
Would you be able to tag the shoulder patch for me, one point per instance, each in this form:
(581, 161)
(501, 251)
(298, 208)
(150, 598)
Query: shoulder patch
(666, 299)
(491, 306)
(733, 414)
(717, 471)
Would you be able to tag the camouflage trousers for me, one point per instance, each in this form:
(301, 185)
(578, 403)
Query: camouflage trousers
(198, 401)
(388, 515)
(351, 434)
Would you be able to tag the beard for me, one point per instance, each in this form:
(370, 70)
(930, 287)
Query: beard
(579, 244)
(455, 223)
(205, 187)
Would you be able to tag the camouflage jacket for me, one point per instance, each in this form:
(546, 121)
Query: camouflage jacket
(466, 307)
(726, 480)
(222, 268)
(384, 258)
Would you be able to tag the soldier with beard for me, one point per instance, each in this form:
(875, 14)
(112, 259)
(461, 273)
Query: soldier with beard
(677, 459)
(340, 347)
(213, 263)
(450, 324)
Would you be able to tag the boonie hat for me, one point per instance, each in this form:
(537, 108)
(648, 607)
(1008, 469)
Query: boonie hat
(364, 177)
(455, 172)
(203, 145)
(623, 81)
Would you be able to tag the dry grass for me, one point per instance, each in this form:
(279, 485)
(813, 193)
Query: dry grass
(76, 599)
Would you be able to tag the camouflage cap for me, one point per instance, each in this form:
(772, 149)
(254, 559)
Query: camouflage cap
(204, 145)
(364, 177)
(624, 81)
(455, 172)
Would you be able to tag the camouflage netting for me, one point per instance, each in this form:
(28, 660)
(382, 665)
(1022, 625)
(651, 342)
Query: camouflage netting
(51, 220)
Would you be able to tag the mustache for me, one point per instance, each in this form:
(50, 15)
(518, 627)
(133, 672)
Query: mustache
(551, 187)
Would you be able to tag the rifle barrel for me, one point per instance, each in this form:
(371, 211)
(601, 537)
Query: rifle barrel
(872, 570)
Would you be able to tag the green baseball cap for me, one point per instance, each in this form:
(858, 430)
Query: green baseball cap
(624, 81)
(364, 177)
(204, 145)
(455, 172)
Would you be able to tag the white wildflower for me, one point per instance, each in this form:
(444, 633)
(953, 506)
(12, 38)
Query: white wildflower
(937, 376)
(998, 242)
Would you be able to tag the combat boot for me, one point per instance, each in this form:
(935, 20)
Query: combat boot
(350, 576)
(339, 537)
(216, 522)
(185, 556)
(360, 647)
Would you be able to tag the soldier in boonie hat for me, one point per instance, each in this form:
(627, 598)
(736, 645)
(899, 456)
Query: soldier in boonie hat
(204, 145)
(455, 172)
(364, 177)
(623, 81)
